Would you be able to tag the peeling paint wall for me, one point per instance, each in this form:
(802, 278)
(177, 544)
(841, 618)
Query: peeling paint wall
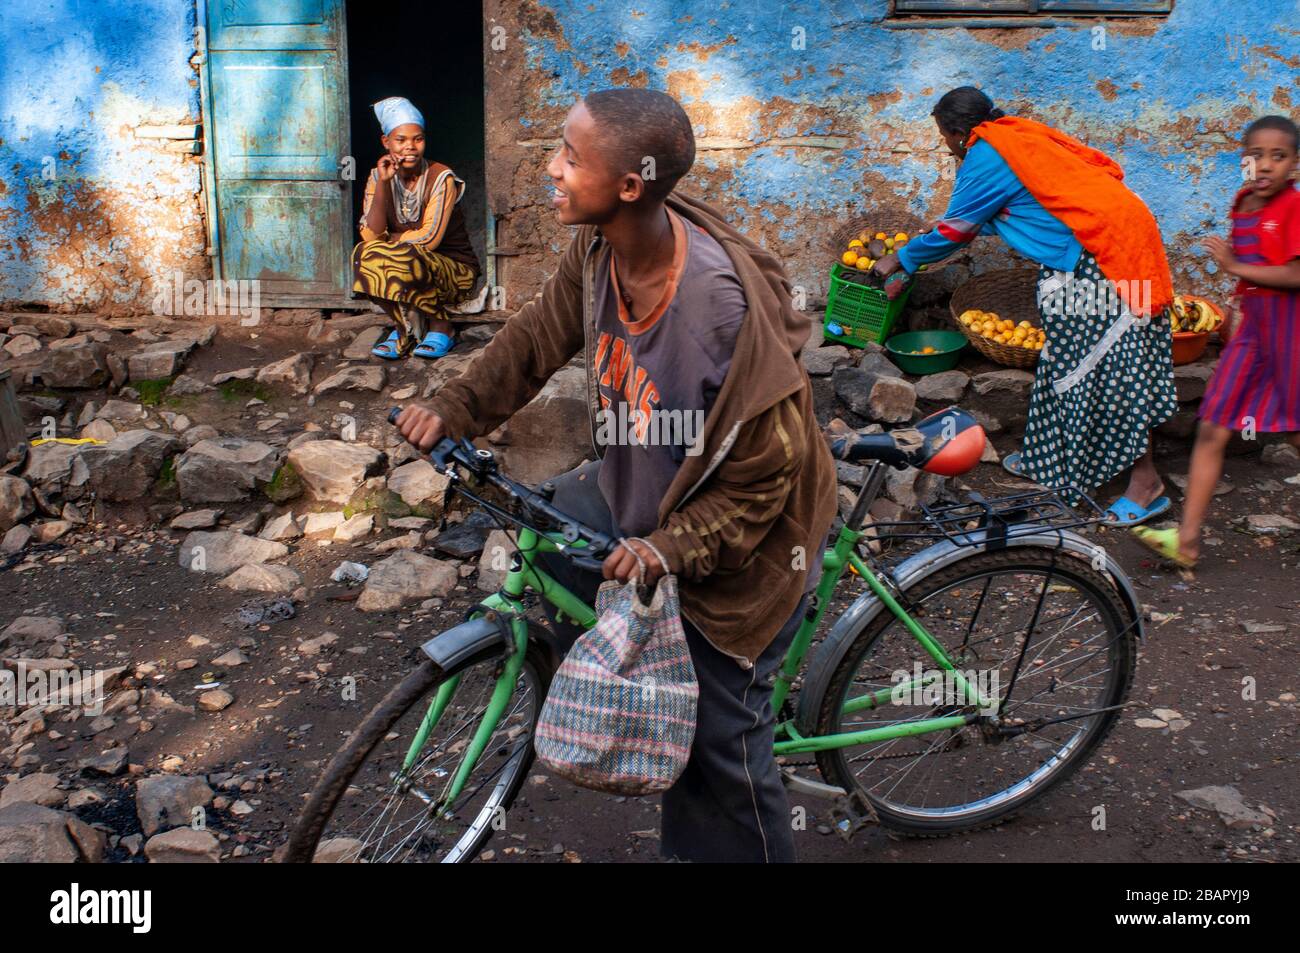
(800, 145)
(91, 211)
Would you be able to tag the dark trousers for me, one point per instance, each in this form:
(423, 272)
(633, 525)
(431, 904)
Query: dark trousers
(729, 804)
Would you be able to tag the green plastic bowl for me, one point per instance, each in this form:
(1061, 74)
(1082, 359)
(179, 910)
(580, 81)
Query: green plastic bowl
(947, 350)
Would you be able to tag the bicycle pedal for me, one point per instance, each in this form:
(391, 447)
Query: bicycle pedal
(847, 819)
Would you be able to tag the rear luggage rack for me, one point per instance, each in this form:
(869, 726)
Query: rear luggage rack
(991, 523)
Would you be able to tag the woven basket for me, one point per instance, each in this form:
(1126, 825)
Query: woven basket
(1011, 294)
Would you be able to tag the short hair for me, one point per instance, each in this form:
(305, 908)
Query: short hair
(635, 124)
(1280, 123)
(962, 109)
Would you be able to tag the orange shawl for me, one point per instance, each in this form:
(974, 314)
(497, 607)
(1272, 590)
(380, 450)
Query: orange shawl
(1085, 190)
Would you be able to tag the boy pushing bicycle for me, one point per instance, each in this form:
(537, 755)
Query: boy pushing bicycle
(680, 318)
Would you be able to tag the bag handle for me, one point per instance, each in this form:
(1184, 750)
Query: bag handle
(643, 592)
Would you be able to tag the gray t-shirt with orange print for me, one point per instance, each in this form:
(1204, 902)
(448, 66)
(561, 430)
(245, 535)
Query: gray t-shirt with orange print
(658, 374)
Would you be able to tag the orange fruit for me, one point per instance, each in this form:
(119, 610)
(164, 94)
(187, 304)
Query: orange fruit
(856, 243)
(881, 235)
(864, 264)
(849, 257)
(900, 238)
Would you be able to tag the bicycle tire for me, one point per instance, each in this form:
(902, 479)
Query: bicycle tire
(343, 767)
(831, 763)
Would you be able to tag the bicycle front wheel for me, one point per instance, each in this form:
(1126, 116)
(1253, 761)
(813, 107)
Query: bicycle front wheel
(376, 803)
(1043, 635)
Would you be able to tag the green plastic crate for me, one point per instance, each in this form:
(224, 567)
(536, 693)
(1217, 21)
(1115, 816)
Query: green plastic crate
(864, 313)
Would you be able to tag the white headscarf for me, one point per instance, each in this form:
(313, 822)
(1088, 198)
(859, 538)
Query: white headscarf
(397, 111)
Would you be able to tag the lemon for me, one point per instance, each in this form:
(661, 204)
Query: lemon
(856, 243)
(864, 264)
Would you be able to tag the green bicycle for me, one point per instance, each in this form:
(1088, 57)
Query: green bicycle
(968, 679)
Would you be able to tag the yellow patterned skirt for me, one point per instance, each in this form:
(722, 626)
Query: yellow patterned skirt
(404, 278)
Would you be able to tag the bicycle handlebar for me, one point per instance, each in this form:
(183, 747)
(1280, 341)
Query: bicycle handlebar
(482, 464)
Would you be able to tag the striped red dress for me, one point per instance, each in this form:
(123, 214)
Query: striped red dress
(1257, 382)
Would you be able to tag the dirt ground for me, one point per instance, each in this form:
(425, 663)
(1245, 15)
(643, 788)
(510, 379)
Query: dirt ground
(130, 603)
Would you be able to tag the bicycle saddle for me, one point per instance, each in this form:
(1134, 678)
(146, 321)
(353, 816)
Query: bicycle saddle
(948, 443)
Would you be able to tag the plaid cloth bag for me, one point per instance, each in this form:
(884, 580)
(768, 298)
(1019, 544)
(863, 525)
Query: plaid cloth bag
(620, 713)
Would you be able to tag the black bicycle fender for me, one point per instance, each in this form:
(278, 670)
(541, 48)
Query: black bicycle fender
(464, 644)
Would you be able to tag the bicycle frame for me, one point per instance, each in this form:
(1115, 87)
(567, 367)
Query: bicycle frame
(525, 575)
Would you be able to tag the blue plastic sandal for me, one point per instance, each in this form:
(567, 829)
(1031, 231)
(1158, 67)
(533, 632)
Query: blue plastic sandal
(1124, 512)
(435, 344)
(390, 349)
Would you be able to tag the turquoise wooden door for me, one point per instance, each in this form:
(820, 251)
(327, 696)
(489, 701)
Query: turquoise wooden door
(277, 133)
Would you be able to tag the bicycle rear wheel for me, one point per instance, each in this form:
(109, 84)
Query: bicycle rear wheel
(366, 809)
(1064, 625)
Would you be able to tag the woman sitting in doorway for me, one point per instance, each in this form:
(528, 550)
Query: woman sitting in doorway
(414, 257)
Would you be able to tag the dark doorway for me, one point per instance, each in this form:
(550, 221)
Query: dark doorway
(433, 55)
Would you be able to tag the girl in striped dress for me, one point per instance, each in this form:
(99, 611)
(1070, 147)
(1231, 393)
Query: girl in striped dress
(1256, 387)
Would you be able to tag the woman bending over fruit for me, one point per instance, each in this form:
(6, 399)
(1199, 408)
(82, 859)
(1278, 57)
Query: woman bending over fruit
(1105, 376)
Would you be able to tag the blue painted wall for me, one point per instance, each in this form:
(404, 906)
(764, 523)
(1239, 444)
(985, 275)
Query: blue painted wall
(798, 143)
(90, 214)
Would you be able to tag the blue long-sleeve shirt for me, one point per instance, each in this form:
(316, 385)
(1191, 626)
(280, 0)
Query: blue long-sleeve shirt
(988, 199)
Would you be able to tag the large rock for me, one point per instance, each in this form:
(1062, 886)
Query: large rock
(157, 361)
(821, 361)
(168, 801)
(1227, 802)
(282, 527)
(332, 470)
(224, 552)
(419, 484)
(42, 789)
(184, 845)
(946, 387)
(1190, 381)
(405, 577)
(196, 519)
(853, 387)
(52, 462)
(33, 628)
(366, 339)
(31, 834)
(364, 377)
(295, 372)
(187, 386)
(257, 577)
(225, 470)
(83, 366)
(16, 501)
(14, 539)
(121, 411)
(892, 400)
(126, 467)
(494, 562)
(552, 433)
(1012, 381)
(21, 345)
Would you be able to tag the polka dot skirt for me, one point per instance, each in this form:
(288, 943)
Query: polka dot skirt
(1099, 427)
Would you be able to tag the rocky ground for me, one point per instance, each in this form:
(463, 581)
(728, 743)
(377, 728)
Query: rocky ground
(195, 554)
